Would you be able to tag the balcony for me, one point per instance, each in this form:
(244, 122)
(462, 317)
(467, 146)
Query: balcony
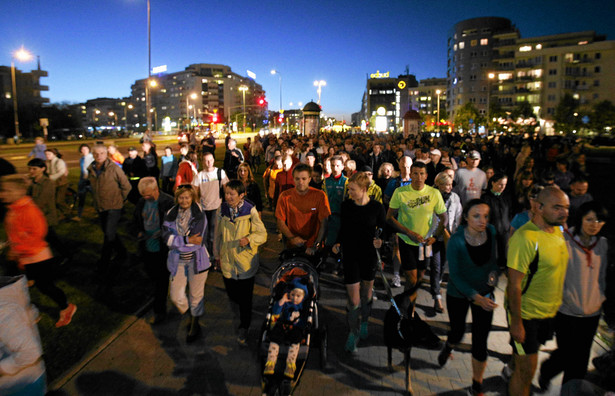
(41, 87)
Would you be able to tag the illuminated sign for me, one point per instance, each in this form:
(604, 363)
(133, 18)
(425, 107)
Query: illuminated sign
(379, 75)
(252, 75)
(401, 84)
(159, 69)
(381, 111)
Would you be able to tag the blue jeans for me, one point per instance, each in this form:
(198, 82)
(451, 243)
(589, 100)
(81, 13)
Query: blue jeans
(436, 269)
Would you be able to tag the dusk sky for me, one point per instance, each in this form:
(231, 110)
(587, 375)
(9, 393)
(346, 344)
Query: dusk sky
(99, 48)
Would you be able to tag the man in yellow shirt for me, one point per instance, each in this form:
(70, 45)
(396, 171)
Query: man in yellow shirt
(537, 259)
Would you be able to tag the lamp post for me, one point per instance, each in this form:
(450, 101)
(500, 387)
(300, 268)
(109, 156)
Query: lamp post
(274, 71)
(188, 107)
(319, 84)
(23, 56)
(243, 90)
(490, 77)
(148, 104)
(438, 92)
(153, 110)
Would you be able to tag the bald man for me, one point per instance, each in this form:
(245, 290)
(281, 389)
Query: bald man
(537, 261)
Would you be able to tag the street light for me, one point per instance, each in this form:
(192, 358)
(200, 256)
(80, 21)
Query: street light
(274, 71)
(490, 77)
(153, 110)
(438, 92)
(112, 114)
(243, 90)
(319, 84)
(188, 107)
(21, 55)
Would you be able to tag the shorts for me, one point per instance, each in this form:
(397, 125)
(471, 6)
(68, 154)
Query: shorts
(358, 269)
(409, 255)
(537, 332)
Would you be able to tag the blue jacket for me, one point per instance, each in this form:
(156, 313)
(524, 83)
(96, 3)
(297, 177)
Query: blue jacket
(466, 278)
(178, 243)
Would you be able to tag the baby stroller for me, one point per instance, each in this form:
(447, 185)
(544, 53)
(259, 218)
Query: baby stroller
(294, 267)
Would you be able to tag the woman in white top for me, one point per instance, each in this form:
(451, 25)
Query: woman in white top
(58, 173)
(584, 293)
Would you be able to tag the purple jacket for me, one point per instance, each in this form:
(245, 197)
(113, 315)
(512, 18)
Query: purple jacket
(178, 243)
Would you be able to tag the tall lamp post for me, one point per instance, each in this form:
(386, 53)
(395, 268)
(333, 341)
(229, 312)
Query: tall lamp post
(188, 107)
(243, 90)
(490, 77)
(438, 92)
(21, 55)
(319, 84)
(274, 71)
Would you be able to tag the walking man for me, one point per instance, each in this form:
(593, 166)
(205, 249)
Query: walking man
(537, 260)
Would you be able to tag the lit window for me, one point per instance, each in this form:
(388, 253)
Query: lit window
(505, 76)
(525, 48)
(455, 47)
(484, 41)
(474, 43)
(538, 46)
(582, 42)
(461, 45)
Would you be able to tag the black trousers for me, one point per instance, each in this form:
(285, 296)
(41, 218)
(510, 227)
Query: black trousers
(42, 275)
(481, 325)
(240, 292)
(574, 336)
(155, 264)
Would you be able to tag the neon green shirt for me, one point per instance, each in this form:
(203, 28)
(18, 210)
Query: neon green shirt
(544, 295)
(416, 209)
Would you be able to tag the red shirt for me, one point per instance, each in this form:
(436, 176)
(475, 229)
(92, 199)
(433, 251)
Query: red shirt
(303, 213)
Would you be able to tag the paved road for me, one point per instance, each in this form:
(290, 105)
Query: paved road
(141, 360)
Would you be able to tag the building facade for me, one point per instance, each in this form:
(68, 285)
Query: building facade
(428, 99)
(386, 100)
(199, 95)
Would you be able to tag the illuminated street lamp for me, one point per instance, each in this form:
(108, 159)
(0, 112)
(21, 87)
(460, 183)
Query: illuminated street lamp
(490, 77)
(319, 84)
(96, 113)
(438, 92)
(112, 114)
(21, 55)
(274, 71)
(188, 106)
(243, 90)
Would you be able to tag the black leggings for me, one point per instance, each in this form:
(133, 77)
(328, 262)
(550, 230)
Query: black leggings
(240, 292)
(42, 275)
(481, 325)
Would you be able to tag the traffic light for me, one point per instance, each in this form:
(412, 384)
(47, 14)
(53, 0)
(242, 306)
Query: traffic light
(214, 118)
(281, 118)
(262, 101)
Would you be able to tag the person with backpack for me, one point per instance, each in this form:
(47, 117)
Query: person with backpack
(210, 182)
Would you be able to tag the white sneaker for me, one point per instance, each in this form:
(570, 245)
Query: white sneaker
(396, 282)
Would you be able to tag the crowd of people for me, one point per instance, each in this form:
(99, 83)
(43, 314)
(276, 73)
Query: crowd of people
(486, 208)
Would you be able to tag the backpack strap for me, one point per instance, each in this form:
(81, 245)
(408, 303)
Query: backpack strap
(220, 183)
(533, 269)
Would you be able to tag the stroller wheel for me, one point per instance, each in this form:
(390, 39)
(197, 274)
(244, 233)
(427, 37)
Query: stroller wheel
(322, 336)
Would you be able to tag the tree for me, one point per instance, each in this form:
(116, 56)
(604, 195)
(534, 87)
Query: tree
(565, 119)
(602, 116)
(465, 114)
(523, 110)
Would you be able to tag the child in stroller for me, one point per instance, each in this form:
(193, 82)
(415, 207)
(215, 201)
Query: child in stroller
(287, 326)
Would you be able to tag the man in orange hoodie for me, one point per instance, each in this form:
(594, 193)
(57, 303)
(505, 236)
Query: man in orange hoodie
(26, 228)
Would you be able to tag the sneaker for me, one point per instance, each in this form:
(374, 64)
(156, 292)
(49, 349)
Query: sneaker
(363, 332)
(351, 343)
(242, 337)
(289, 372)
(269, 367)
(506, 373)
(66, 315)
(437, 306)
(472, 392)
(396, 282)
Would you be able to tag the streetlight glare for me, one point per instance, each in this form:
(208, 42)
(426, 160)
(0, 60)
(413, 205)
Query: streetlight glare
(22, 55)
(193, 96)
(274, 71)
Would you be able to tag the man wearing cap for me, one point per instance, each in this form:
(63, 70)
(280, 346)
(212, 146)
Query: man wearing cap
(470, 181)
(134, 168)
(434, 166)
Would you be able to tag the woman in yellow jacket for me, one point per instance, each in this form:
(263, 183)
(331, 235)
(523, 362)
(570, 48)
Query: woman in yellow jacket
(239, 233)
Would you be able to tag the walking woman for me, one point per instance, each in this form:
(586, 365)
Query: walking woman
(473, 267)
(58, 173)
(584, 292)
(26, 228)
(253, 192)
(183, 231)
(239, 233)
(360, 217)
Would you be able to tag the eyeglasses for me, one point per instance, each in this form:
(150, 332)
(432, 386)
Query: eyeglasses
(594, 220)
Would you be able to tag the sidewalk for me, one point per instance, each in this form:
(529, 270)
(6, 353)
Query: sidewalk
(144, 360)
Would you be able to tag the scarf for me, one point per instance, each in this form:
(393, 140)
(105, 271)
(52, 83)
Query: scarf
(587, 250)
(234, 212)
(183, 221)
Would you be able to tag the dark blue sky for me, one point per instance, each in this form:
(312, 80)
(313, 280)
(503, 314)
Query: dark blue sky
(99, 48)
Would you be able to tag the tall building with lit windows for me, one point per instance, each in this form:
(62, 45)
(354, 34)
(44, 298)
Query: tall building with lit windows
(199, 92)
(470, 60)
(489, 61)
(387, 100)
(429, 98)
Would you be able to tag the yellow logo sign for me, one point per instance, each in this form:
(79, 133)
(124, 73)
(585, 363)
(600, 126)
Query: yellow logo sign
(379, 75)
(401, 84)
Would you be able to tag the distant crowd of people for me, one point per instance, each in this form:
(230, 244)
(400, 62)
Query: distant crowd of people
(481, 207)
